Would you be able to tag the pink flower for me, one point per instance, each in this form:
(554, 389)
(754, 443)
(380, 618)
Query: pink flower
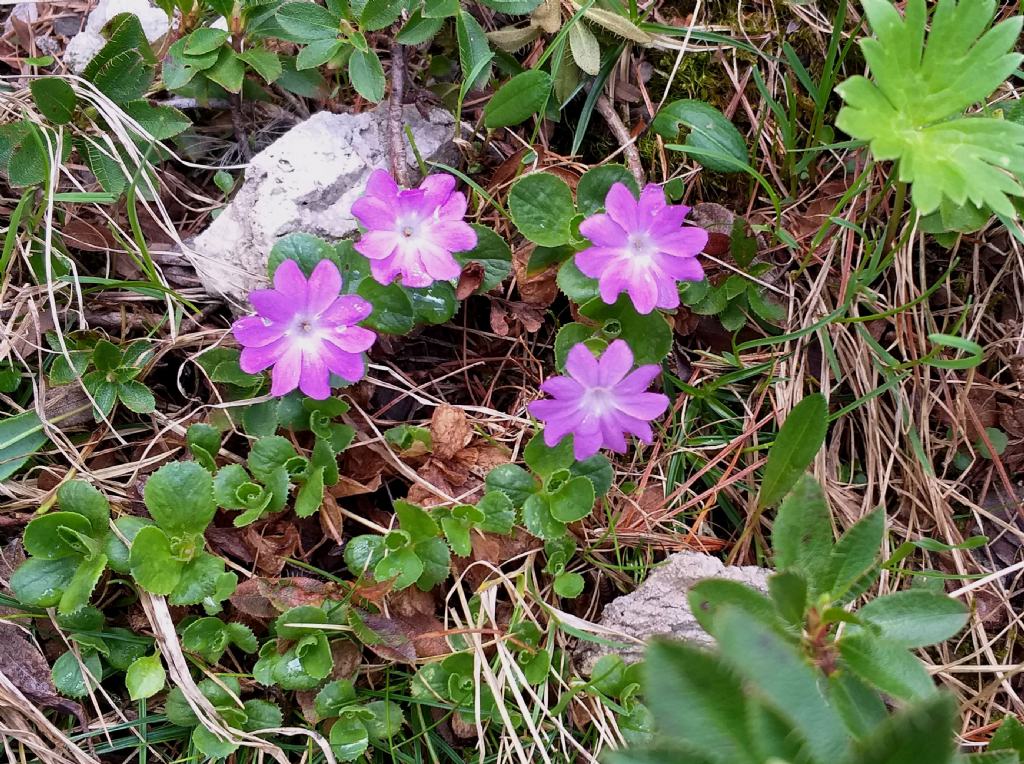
(641, 248)
(599, 401)
(305, 330)
(412, 232)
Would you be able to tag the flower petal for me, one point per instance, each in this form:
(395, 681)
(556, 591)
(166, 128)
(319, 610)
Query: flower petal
(562, 388)
(652, 202)
(285, 376)
(612, 436)
(594, 261)
(347, 310)
(323, 287)
(638, 381)
(289, 281)
(643, 289)
(603, 231)
(273, 305)
(377, 245)
(373, 213)
(582, 366)
(352, 339)
(314, 379)
(253, 331)
(381, 184)
(621, 205)
(453, 235)
(348, 366)
(615, 363)
(255, 359)
(645, 406)
(437, 188)
(684, 241)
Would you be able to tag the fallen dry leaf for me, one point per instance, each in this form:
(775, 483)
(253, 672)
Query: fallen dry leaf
(269, 597)
(450, 431)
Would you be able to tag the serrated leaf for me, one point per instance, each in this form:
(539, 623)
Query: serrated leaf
(179, 496)
(124, 78)
(79, 589)
(308, 21)
(152, 564)
(905, 110)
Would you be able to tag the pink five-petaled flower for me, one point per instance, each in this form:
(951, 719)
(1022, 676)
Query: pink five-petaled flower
(305, 330)
(412, 232)
(641, 248)
(599, 401)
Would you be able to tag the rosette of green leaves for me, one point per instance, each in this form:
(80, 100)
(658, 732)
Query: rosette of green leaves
(494, 513)
(300, 656)
(544, 211)
(68, 550)
(168, 557)
(825, 696)
(618, 686)
(224, 694)
(411, 554)
(525, 638)
(453, 682)
(356, 725)
(211, 637)
(557, 490)
(101, 649)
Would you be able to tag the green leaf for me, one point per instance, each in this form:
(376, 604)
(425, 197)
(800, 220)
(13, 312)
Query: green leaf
(887, 666)
(568, 337)
(799, 439)
(860, 706)
(521, 97)
(1009, 736)
(577, 287)
(542, 209)
(697, 700)
(145, 677)
(922, 732)
(161, 122)
(265, 63)
(649, 336)
(457, 535)
(569, 585)
(915, 617)
(436, 559)
(270, 454)
(545, 460)
(179, 496)
(117, 553)
(200, 578)
(789, 593)
(711, 595)
(210, 745)
(912, 109)
(378, 14)
(513, 7)
(710, 131)
(362, 553)
(80, 587)
(261, 715)
(402, 566)
(136, 397)
(55, 98)
(68, 677)
(333, 697)
(204, 40)
(474, 50)
(855, 554)
(513, 481)
(228, 72)
(349, 738)
(366, 74)
(435, 304)
(790, 687)
(492, 252)
(46, 538)
(311, 494)
(392, 309)
(40, 582)
(573, 501)
(315, 655)
(124, 78)
(419, 29)
(318, 53)
(598, 470)
(384, 719)
(153, 565)
(802, 533)
(308, 21)
(597, 181)
(538, 519)
(499, 514)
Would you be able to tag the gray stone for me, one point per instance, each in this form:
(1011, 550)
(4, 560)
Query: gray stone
(659, 607)
(306, 181)
(87, 43)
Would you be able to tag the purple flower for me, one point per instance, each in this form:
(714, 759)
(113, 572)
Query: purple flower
(305, 330)
(599, 401)
(412, 232)
(641, 248)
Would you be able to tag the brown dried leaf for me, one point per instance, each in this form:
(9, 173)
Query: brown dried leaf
(268, 597)
(450, 431)
(470, 279)
(272, 543)
(538, 289)
(28, 670)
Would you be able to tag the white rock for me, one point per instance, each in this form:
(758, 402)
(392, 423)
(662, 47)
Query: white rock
(306, 181)
(659, 607)
(86, 44)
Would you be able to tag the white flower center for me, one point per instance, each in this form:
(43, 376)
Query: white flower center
(598, 400)
(305, 330)
(639, 245)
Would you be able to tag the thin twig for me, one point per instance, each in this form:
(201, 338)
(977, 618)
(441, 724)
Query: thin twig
(396, 141)
(605, 108)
